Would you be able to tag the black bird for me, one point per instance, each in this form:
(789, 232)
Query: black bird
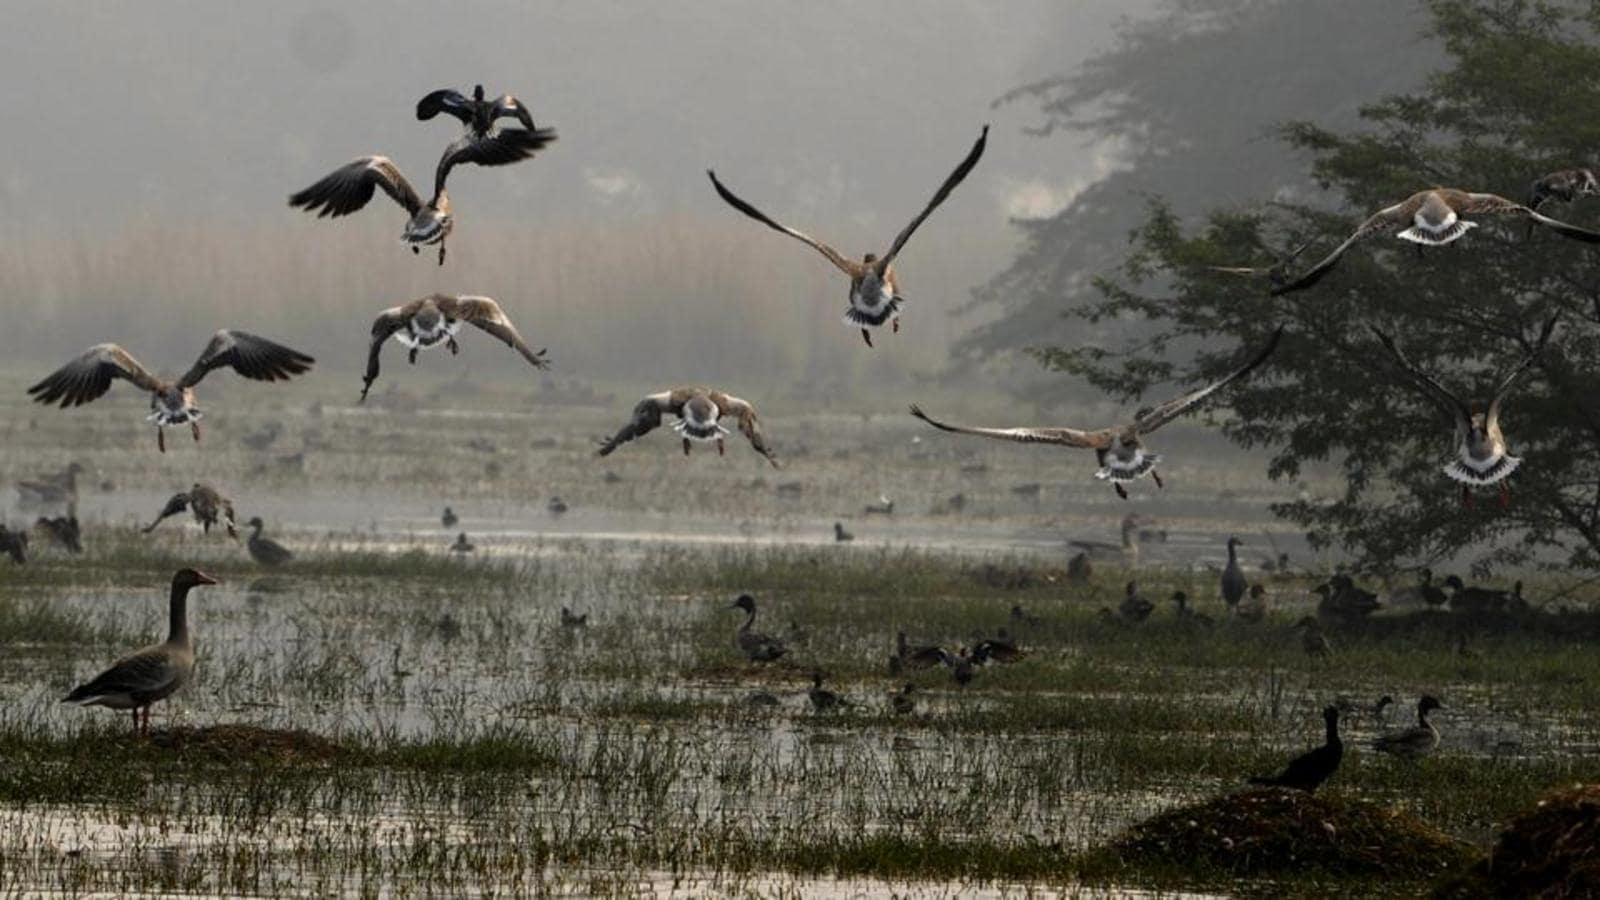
(14, 544)
(63, 530)
(478, 114)
(1309, 770)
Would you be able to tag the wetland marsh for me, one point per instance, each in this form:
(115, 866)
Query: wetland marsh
(382, 716)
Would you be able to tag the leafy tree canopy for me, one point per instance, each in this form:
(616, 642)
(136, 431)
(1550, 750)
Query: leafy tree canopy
(1514, 101)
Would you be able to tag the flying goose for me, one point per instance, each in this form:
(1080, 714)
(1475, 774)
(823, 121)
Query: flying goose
(699, 411)
(1277, 274)
(1481, 457)
(755, 646)
(1309, 770)
(961, 663)
(349, 187)
(171, 402)
(154, 673)
(436, 319)
(1118, 448)
(1417, 741)
(206, 503)
(477, 113)
(874, 293)
(1564, 186)
(1436, 218)
(265, 550)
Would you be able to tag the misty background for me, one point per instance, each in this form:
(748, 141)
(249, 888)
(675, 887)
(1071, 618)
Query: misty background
(150, 149)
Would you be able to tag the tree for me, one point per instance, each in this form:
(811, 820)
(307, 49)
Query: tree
(1514, 102)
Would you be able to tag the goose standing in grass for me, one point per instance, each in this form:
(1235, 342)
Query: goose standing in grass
(462, 545)
(1312, 640)
(154, 673)
(206, 503)
(1233, 581)
(1133, 607)
(1474, 599)
(436, 319)
(52, 489)
(1079, 569)
(349, 187)
(1481, 457)
(1185, 614)
(572, 621)
(1424, 593)
(89, 376)
(875, 296)
(755, 646)
(14, 544)
(265, 550)
(903, 701)
(1255, 606)
(699, 412)
(556, 506)
(1120, 448)
(1342, 598)
(478, 114)
(1417, 741)
(840, 535)
(822, 699)
(62, 530)
(1309, 770)
(1433, 218)
(1128, 550)
(1564, 186)
(448, 518)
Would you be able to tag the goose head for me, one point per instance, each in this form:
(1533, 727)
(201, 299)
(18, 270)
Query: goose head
(188, 578)
(255, 522)
(1453, 582)
(1182, 599)
(869, 258)
(746, 603)
(1427, 704)
(477, 93)
(1234, 542)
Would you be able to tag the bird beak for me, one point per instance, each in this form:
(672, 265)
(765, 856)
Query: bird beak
(207, 579)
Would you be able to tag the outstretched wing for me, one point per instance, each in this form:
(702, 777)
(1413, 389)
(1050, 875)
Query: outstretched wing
(1450, 402)
(179, 503)
(1154, 418)
(253, 357)
(89, 376)
(956, 177)
(1493, 204)
(498, 149)
(646, 418)
(507, 105)
(846, 266)
(488, 316)
(383, 327)
(1068, 437)
(1493, 417)
(749, 423)
(349, 187)
(1382, 220)
(445, 101)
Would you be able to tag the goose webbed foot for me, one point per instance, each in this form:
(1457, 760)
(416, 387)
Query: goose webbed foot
(194, 428)
(1466, 496)
(441, 254)
(1505, 495)
(721, 450)
(455, 348)
(411, 356)
(161, 439)
(1157, 476)
(1121, 491)
(895, 325)
(415, 250)
(685, 446)
(866, 336)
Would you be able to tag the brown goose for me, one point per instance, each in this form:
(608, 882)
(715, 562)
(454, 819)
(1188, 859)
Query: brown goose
(154, 673)
(874, 294)
(265, 550)
(1119, 448)
(477, 113)
(206, 503)
(1435, 217)
(349, 187)
(436, 319)
(63, 530)
(699, 411)
(1481, 457)
(171, 402)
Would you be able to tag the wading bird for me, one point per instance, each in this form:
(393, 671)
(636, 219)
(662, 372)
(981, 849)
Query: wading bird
(154, 673)
(1233, 583)
(1433, 218)
(1481, 457)
(875, 296)
(699, 412)
(437, 319)
(1417, 741)
(265, 550)
(1119, 449)
(755, 646)
(1309, 770)
(171, 402)
(349, 187)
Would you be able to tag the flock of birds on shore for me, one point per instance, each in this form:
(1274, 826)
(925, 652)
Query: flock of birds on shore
(1434, 217)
